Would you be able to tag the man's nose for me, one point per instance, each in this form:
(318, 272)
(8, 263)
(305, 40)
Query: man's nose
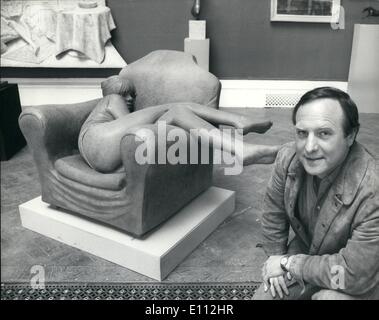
(311, 144)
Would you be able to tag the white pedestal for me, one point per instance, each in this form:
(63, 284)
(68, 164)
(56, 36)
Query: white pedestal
(156, 255)
(197, 29)
(363, 82)
(200, 49)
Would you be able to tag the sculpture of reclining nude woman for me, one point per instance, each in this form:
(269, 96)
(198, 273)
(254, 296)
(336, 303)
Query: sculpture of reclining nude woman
(114, 116)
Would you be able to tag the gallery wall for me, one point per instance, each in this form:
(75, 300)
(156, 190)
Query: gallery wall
(244, 43)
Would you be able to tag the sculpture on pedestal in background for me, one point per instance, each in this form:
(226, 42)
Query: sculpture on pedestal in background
(197, 43)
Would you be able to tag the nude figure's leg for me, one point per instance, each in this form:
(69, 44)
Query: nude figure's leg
(238, 121)
(184, 117)
(101, 143)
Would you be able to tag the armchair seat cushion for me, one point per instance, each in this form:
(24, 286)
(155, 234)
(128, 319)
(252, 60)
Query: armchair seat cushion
(75, 169)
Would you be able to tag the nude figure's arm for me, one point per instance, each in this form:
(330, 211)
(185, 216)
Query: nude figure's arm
(215, 116)
(145, 116)
(208, 116)
(219, 117)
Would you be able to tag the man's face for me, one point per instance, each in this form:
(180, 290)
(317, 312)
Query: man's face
(321, 144)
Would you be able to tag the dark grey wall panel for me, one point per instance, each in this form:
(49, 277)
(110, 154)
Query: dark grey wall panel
(244, 43)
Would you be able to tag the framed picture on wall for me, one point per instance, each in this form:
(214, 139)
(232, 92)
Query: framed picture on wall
(326, 11)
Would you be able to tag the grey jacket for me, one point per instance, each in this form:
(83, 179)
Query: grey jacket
(346, 237)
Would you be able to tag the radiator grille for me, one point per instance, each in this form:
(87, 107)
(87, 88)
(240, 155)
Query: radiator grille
(282, 100)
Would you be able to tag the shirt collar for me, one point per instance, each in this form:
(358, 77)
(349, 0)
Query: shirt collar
(325, 182)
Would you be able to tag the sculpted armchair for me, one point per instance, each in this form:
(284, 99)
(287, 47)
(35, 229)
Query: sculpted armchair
(137, 198)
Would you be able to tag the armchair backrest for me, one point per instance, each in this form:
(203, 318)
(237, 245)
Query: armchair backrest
(167, 76)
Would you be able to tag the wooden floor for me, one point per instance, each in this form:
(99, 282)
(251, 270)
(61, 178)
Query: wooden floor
(230, 254)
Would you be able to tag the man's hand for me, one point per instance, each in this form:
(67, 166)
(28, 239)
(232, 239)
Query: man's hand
(273, 276)
(277, 285)
(271, 268)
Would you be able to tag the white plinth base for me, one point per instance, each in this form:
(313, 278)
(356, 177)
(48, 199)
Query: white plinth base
(155, 256)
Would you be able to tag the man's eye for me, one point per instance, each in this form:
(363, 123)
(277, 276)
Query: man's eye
(301, 133)
(323, 134)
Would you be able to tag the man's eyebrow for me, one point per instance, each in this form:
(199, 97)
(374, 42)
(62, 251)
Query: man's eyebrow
(323, 127)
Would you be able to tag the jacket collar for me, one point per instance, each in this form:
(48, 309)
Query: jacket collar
(352, 173)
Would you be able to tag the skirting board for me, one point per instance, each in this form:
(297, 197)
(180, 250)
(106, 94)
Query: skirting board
(156, 255)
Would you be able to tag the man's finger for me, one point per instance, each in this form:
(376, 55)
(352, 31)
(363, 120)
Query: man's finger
(272, 288)
(277, 287)
(289, 276)
(266, 282)
(282, 283)
(263, 272)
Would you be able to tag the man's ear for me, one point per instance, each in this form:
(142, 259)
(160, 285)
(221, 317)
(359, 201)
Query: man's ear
(351, 137)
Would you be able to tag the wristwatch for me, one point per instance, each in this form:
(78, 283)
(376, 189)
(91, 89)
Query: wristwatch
(283, 263)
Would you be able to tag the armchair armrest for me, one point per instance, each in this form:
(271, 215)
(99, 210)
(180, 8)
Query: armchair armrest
(159, 190)
(52, 130)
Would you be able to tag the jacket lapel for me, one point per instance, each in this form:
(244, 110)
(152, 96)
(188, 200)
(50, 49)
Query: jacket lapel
(341, 193)
(294, 182)
(329, 211)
